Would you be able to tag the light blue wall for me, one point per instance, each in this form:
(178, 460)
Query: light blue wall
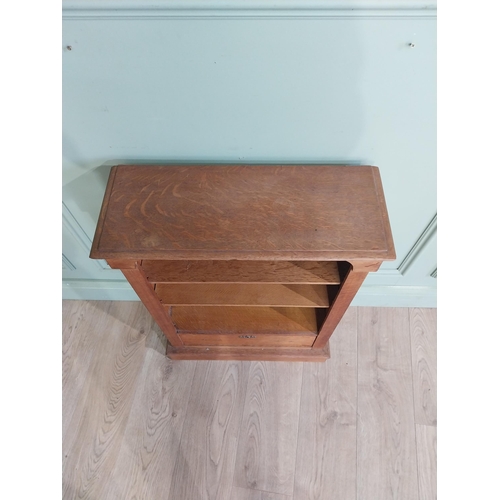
(241, 82)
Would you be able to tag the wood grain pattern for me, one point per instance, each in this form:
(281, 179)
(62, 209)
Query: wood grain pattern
(97, 426)
(386, 452)
(348, 289)
(223, 271)
(140, 426)
(148, 453)
(79, 344)
(103, 212)
(427, 461)
(240, 320)
(326, 449)
(244, 212)
(233, 217)
(229, 294)
(377, 180)
(268, 436)
(249, 353)
(424, 363)
(205, 461)
(254, 340)
(244, 494)
(146, 293)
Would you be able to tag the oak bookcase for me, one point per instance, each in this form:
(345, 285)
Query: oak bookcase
(245, 262)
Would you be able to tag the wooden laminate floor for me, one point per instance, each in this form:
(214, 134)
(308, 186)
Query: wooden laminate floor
(137, 425)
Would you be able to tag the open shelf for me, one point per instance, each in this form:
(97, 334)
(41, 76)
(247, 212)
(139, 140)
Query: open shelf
(245, 326)
(231, 294)
(244, 320)
(241, 271)
(216, 304)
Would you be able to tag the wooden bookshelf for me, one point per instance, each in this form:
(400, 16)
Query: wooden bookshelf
(245, 261)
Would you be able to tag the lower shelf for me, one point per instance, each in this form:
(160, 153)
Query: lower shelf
(241, 320)
(249, 353)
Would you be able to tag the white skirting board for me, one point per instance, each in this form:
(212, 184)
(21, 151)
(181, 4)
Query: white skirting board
(374, 296)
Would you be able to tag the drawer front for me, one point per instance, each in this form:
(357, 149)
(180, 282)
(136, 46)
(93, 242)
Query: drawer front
(249, 339)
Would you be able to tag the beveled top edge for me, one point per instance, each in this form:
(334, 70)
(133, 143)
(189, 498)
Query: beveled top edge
(294, 255)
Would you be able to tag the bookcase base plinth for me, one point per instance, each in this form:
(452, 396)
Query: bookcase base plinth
(248, 353)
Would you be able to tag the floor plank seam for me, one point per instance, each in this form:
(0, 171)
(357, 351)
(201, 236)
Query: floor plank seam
(184, 421)
(413, 397)
(244, 397)
(298, 428)
(357, 397)
(331, 462)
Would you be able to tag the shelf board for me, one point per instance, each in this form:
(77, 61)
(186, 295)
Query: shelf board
(282, 340)
(242, 320)
(241, 271)
(230, 294)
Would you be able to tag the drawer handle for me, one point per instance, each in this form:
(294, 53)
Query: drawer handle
(247, 336)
